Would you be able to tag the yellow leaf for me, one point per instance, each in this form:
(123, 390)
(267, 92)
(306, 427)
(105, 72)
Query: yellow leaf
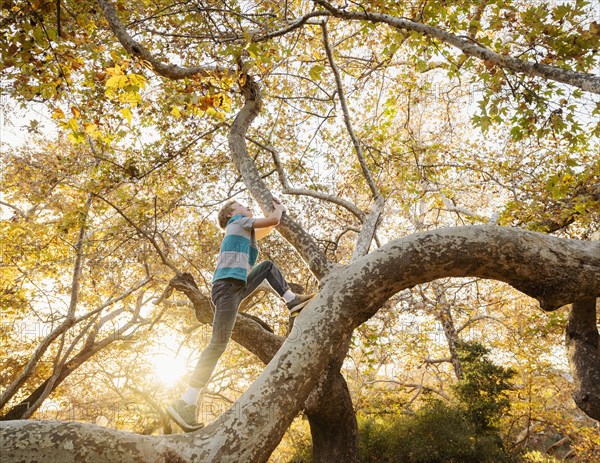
(137, 79)
(117, 81)
(58, 114)
(73, 125)
(90, 128)
(133, 98)
(126, 113)
(212, 112)
(75, 111)
(175, 112)
(116, 71)
(76, 137)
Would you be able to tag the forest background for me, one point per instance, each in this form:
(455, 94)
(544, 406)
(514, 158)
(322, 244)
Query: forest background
(113, 176)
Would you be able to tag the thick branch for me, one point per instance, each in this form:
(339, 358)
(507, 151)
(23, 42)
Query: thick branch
(291, 231)
(169, 70)
(587, 82)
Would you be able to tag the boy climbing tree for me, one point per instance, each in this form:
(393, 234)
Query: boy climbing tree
(235, 278)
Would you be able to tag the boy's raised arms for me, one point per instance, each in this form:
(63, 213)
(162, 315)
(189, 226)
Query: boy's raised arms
(265, 225)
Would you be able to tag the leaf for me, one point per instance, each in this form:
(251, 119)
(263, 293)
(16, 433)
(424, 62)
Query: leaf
(315, 71)
(126, 113)
(175, 112)
(58, 114)
(72, 124)
(117, 81)
(137, 79)
(91, 129)
(115, 71)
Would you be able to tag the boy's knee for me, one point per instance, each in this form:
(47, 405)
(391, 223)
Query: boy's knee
(218, 345)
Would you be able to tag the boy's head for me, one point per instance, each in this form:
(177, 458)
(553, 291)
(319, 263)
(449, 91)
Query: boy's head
(231, 208)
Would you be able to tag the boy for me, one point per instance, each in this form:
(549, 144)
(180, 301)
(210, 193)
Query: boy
(235, 278)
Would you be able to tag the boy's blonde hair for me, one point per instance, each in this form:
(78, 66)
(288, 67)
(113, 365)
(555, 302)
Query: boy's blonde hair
(223, 216)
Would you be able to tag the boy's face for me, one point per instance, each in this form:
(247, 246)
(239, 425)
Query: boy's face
(239, 209)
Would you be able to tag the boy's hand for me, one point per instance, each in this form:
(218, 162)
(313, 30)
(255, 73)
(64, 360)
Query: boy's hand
(278, 206)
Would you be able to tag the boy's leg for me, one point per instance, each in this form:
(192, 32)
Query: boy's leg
(226, 296)
(267, 270)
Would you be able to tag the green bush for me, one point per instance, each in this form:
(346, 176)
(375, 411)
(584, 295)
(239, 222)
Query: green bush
(461, 432)
(437, 433)
(482, 390)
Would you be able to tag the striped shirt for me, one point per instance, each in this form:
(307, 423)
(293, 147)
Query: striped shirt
(239, 249)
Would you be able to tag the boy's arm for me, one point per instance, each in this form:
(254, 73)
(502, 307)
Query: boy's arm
(260, 233)
(265, 225)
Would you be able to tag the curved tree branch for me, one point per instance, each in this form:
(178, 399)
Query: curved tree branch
(555, 271)
(587, 82)
(172, 71)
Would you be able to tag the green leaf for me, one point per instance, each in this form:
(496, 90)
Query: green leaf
(315, 71)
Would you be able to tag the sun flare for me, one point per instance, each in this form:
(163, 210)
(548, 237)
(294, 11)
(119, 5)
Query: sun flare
(169, 368)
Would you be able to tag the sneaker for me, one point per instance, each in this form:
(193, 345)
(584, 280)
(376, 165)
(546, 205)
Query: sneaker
(299, 302)
(184, 415)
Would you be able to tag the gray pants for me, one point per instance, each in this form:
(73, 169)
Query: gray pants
(227, 294)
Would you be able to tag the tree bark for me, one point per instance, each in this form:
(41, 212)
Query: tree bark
(304, 243)
(555, 271)
(331, 416)
(583, 350)
(329, 408)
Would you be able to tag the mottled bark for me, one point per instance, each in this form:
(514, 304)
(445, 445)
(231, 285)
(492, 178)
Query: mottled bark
(293, 233)
(329, 407)
(583, 351)
(553, 270)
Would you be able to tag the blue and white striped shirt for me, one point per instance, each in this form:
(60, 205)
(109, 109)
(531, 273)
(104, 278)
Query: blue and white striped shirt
(239, 249)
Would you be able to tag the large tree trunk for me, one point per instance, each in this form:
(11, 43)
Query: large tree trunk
(331, 416)
(553, 270)
(583, 350)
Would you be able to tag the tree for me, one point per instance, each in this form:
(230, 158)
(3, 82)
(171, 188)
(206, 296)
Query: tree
(350, 293)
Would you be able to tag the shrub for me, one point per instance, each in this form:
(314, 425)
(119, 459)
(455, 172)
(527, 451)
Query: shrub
(436, 433)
